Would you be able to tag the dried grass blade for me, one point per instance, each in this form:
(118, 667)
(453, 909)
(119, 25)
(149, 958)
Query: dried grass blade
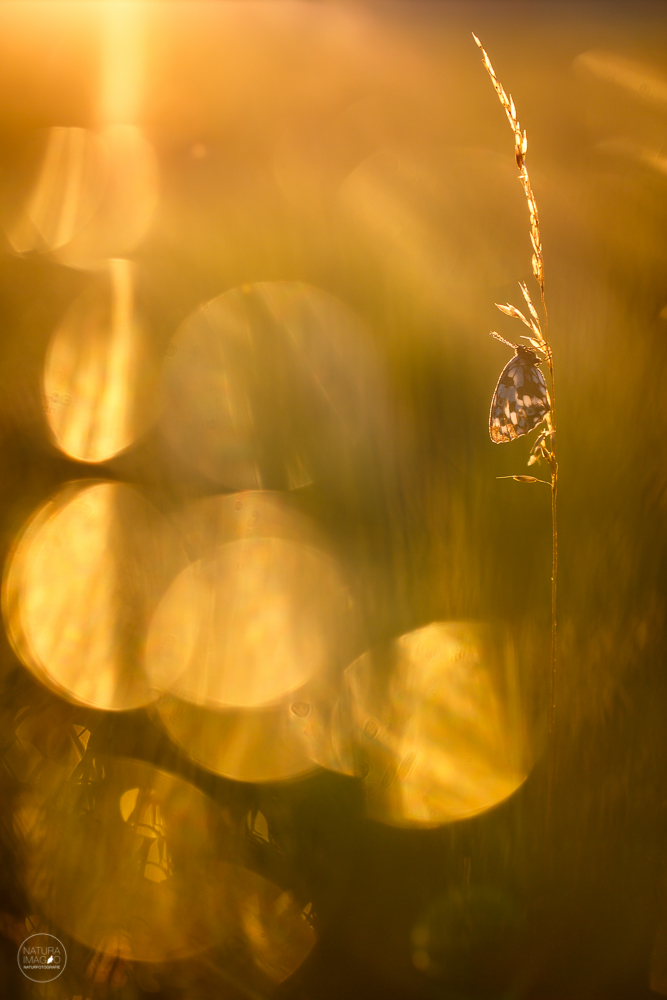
(529, 302)
(515, 313)
(525, 479)
(539, 345)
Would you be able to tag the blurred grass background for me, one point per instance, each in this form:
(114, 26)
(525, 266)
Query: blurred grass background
(359, 148)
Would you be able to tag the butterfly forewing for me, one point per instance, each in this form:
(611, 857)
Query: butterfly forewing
(521, 399)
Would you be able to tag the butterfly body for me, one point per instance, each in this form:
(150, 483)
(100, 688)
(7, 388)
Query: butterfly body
(521, 400)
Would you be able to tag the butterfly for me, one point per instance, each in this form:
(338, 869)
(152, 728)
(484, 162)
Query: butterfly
(521, 400)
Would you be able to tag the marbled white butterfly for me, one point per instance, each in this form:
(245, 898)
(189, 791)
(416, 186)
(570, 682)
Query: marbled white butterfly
(521, 399)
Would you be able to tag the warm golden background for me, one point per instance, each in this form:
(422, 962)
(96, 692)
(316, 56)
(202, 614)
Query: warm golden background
(274, 668)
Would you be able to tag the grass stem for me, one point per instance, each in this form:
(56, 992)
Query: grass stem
(545, 446)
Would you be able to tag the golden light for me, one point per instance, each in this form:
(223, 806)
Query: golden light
(271, 384)
(123, 61)
(100, 379)
(79, 588)
(255, 620)
(261, 609)
(254, 745)
(249, 255)
(157, 876)
(65, 194)
(438, 724)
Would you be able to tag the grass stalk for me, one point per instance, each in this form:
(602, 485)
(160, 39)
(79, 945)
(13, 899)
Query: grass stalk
(544, 448)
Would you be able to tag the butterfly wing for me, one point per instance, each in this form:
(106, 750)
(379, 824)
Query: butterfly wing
(520, 402)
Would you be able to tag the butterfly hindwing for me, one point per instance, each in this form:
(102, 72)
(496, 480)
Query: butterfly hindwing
(521, 399)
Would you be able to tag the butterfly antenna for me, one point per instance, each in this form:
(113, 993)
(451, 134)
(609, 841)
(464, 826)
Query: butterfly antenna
(502, 339)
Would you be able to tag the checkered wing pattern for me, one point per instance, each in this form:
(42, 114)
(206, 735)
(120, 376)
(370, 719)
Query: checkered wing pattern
(521, 400)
